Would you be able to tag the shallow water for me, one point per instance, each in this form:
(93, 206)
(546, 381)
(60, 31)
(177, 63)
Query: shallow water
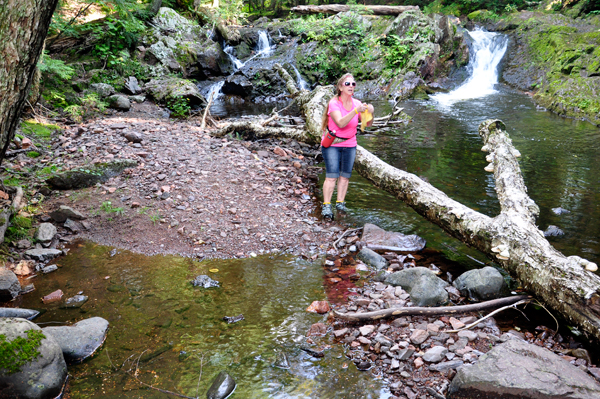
(560, 163)
(152, 308)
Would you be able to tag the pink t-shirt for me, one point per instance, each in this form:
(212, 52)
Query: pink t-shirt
(349, 131)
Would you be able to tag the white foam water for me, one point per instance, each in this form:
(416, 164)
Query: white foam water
(488, 50)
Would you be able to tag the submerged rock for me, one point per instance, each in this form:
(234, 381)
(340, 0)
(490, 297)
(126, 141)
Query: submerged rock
(424, 287)
(205, 282)
(233, 319)
(28, 314)
(553, 231)
(517, 369)
(81, 340)
(376, 236)
(481, 284)
(222, 386)
(31, 376)
(76, 301)
(282, 361)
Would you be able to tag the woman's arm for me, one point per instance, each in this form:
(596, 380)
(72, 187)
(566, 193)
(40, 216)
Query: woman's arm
(342, 121)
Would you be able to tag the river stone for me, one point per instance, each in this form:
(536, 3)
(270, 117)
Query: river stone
(435, 354)
(28, 314)
(66, 212)
(119, 102)
(103, 89)
(553, 231)
(204, 281)
(9, 285)
(81, 340)
(424, 287)
(222, 386)
(372, 258)
(41, 378)
(43, 253)
(76, 301)
(82, 178)
(374, 235)
(45, 233)
(133, 137)
(481, 284)
(132, 86)
(517, 369)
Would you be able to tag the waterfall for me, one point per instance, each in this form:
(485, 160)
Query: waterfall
(488, 48)
(264, 48)
(237, 64)
(302, 84)
(214, 88)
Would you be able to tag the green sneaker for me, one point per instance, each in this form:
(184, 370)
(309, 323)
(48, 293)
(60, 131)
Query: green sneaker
(327, 212)
(341, 207)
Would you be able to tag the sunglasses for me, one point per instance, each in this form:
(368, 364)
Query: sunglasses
(349, 83)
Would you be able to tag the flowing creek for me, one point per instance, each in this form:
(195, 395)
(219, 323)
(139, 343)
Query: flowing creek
(154, 310)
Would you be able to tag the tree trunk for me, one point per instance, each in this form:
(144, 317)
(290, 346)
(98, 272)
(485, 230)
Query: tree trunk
(23, 29)
(337, 8)
(510, 239)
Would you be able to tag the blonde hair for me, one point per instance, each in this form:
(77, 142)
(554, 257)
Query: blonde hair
(338, 92)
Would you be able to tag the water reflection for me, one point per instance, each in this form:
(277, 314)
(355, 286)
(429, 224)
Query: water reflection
(153, 310)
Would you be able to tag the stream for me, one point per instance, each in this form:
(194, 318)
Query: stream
(154, 310)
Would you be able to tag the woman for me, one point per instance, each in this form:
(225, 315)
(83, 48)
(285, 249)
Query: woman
(342, 116)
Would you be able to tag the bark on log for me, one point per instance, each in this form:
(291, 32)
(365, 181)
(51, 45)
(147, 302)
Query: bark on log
(337, 8)
(430, 311)
(23, 29)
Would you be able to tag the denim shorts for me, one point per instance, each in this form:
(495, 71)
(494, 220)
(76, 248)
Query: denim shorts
(338, 161)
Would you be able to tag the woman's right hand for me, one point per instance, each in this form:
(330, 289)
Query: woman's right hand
(361, 108)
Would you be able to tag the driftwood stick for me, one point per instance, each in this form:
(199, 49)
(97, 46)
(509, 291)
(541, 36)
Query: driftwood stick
(430, 311)
(489, 315)
(210, 100)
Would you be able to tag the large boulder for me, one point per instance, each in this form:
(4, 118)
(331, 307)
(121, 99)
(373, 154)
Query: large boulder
(222, 386)
(102, 89)
(517, 369)
(181, 45)
(119, 102)
(481, 284)
(66, 212)
(237, 84)
(374, 235)
(81, 340)
(424, 287)
(32, 365)
(171, 88)
(372, 258)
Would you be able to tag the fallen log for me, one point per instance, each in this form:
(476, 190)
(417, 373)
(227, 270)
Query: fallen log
(337, 8)
(511, 239)
(431, 311)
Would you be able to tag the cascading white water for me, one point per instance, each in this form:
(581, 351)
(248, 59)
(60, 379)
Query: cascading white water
(488, 49)
(237, 64)
(214, 90)
(263, 48)
(302, 84)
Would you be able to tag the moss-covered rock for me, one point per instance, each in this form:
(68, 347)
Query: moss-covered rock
(81, 178)
(558, 58)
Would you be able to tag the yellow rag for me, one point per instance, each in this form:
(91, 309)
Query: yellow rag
(365, 117)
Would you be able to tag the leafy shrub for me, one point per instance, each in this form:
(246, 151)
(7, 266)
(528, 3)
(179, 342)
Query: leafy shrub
(179, 106)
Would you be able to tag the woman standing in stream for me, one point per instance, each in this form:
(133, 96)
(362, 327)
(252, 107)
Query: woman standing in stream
(340, 118)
